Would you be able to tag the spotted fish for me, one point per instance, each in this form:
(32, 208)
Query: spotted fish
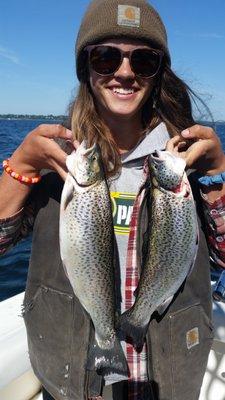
(171, 242)
(86, 246)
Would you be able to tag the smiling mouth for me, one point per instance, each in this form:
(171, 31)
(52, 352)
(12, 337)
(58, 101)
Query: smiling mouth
(123, 91)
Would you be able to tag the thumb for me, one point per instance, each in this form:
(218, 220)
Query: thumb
(197, 132)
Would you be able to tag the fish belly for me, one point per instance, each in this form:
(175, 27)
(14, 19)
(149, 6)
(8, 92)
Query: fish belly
(87, 253)
(171, 251)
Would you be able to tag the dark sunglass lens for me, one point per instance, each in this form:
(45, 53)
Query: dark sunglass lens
(145, 63)
(105, 59)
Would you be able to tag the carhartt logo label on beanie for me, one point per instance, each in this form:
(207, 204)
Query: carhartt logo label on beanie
(128, 15)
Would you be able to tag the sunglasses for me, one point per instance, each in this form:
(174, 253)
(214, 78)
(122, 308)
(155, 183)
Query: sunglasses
(106, 60)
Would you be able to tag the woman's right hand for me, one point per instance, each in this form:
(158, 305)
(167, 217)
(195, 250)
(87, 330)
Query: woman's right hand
(39, 151)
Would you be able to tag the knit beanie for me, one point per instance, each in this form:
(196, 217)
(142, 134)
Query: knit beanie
(108, 19)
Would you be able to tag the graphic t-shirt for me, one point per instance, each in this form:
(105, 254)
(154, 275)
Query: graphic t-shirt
(122, 207)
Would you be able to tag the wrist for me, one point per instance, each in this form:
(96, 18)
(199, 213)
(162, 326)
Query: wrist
(17, 169)
(17, 176)
(218, 169)
(17, 162)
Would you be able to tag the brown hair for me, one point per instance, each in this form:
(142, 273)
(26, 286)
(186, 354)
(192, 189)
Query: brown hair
(87, 124)
(170, 102)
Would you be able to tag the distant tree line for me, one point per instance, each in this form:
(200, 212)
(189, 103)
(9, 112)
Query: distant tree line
(28, 116)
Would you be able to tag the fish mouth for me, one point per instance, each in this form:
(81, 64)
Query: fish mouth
(83, 153)
(156, 157)
(160, 156)
(156, 153)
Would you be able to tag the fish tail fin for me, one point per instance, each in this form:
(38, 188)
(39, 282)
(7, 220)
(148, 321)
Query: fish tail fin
(107, 361)
(136, 333)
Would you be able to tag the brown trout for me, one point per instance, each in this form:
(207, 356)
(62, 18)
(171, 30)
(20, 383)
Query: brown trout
(86, 246)
(171, 242)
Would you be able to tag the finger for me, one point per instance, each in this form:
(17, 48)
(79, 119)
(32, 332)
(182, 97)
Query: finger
(62, 172)
(176, 144)
(52, 131)
(73, 145)
(197, 152)
(172, 143)
(198, 132)
(57, 156)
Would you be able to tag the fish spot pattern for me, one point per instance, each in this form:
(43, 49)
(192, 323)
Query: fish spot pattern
(171, 244)
(88, 245)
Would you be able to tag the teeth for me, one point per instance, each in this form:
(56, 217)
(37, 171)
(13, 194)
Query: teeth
(123, 91)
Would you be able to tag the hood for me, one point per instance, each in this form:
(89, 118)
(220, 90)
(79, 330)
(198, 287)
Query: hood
(154, 140)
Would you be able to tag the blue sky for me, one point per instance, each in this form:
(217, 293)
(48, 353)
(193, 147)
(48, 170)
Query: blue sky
(37, 67)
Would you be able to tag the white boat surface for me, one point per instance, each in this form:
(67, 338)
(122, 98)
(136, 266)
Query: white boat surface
(18, 382)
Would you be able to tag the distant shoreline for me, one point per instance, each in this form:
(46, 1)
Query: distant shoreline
(64, 117)
(32, 117)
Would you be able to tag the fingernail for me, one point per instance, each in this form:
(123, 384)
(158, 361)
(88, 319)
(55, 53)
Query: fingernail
(186, 132)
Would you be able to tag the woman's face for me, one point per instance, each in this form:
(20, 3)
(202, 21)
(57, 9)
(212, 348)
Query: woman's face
(123, 93)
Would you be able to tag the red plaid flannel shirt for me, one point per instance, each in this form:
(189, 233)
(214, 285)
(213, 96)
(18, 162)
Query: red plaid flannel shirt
(137, 361)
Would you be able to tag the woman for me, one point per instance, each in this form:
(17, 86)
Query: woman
(131, 103)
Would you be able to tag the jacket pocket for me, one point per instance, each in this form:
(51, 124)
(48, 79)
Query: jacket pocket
(191, 335)
(49, 321)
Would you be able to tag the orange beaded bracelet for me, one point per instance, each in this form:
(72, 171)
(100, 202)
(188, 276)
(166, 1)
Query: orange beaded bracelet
(17, 176)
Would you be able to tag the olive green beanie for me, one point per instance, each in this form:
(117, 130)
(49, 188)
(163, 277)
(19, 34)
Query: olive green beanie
(135, 19)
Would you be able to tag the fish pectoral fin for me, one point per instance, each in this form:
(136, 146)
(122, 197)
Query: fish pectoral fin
(67, 193)
(68, 200)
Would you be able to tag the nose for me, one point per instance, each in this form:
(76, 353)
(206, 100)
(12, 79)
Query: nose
(125, 70)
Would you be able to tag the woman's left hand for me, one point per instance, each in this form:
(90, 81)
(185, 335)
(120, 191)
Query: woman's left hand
(201, 148)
